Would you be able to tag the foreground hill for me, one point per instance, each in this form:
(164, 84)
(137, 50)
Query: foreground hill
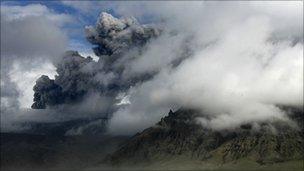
(32, 151)
(178, 141)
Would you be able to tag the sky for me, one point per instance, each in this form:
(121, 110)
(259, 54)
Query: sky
(82, 13)
(236, 61)
(78, 18)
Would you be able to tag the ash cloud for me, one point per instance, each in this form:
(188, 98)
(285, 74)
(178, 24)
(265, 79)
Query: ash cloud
(69, 85)
(79, 78)
(234, 61)
(114, 36)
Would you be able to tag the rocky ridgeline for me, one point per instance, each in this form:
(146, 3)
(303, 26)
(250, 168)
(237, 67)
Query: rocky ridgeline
(179, 134)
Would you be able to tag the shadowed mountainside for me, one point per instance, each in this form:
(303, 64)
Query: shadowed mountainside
(177, 141)
(29, 151)
(179, 135)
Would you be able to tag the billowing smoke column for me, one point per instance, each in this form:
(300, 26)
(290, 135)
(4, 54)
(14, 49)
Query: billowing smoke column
(79, 77)
(114, 36)
(70, 84)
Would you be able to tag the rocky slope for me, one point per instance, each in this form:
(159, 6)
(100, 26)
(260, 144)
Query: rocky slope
(178, 135)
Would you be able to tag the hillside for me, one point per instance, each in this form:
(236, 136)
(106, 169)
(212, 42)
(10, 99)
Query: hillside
(32, 151)
(178, 140)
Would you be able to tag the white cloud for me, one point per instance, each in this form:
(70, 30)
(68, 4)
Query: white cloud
(244, 63)
(31, 31)
(33, 10)
(25, 79)
(32, 38)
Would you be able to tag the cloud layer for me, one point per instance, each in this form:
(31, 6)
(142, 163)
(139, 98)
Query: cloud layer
(31, 38)
(244, 64)
(236, 62)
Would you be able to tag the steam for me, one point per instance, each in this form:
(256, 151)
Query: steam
(31, 38)
(234, 61)
(242, 66)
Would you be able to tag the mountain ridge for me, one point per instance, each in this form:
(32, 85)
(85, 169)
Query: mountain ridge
(178, 134)
(177, 141)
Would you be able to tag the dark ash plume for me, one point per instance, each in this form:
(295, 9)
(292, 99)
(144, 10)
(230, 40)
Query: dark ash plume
(79, 76)
(114, 36)
(69, 85)
(46, 93)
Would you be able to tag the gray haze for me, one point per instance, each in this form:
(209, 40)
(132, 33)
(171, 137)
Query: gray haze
(235, 61)
(31, 38)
